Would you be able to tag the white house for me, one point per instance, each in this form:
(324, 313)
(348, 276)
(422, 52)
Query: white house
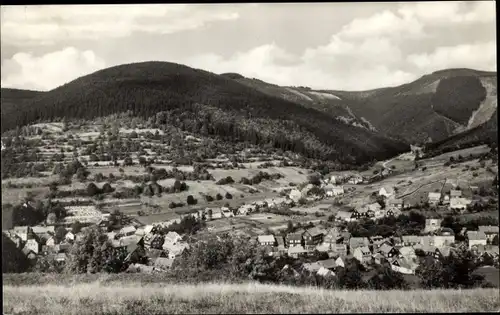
(355, 179)
(69, 236)
(32, 245)
(386, 191)
(127, 230)
(266, 239)
(334, 190)
(172, 238)
(476, 238)
(459, 203)
(434, 198)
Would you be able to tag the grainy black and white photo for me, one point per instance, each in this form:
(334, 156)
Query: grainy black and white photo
(249, 158)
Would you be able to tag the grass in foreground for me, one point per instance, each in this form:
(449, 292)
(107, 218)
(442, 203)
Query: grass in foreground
(134, 298)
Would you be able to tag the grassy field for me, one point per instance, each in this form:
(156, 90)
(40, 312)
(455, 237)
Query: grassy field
(137, 298)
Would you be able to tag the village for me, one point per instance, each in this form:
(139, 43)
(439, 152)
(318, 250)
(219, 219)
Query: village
(332, 238)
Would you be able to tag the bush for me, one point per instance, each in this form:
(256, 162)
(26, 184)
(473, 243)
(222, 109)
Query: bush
(229, 196)
(191, 200)
(219, 196)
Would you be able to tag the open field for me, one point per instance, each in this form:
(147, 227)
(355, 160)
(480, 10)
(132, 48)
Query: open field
(136, 298)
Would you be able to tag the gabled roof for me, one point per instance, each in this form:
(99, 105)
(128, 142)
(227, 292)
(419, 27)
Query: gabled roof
(476, 235)
(358, 241)
(266, 238)
(344, 214)
(434, 195)
(385, 248)
(327, 263)
(365, 250)
(488, 229)
(294, 236)
(296, 250)
(455, 193)
(43, 229)
(315, 231)
(128, 229)
(312, 267)
(388, 189)
(172, 237)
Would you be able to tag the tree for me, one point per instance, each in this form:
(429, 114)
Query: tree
(229, 196)
(177, 186)
(314, 179)
(106, 188)
(191, 200)
(76, 227)
(218, 196)
(387, 279)
(128, 161)
(60, 233)
(350, 277)
(93, 253)
(92, 190)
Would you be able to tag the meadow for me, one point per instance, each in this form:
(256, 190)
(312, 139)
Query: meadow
(99, 297)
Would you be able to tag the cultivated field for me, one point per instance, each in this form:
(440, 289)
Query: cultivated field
(135, 298)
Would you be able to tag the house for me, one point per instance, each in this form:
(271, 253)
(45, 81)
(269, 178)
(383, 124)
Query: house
(163, 264)
(127, 231)
(396, 203)
(388, 251)
(345, 216)
(40, 230)
(459, 203)
(324, 272)
(363, 254)
(174, 250)
(226, 212)
(216, 214)
(386, 191)
(444, 237)
(432, 225)
(50, 242)
(266, 240)
(476, 238)
(154, 241)
(313, 236)
(407, 252)
(295, 195)
(434, 198)
(404, 266)
(337, 250)
(410, 240)
(296, 251)
(345, 237)
(70, 237)
(281, 249)
(24, 232)
(111, 235)
(332, 236)
(363, 213)
(428, 250)
(60, 257)
(32, 245)
(356, 242)
(332, 191)
(355, 179)
(294, 239)
(340, 261)
(490, 231)
(455, 193)
(311, 267)
(29, 253)
(172, 238)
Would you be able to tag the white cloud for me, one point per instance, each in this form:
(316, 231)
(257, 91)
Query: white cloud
(444, 12)
(481, 56)
(50, 70)
(46, 24)
(385, 23)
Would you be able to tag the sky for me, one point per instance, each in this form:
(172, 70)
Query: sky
(336, 46)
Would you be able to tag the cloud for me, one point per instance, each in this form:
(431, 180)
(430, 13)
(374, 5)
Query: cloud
(481, 56)
(385, 23)
(45, 25)
(51, 70)
(445, 12)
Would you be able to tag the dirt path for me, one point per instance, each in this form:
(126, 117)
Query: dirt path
(419, 187)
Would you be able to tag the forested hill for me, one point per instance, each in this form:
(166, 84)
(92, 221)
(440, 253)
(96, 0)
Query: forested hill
(436, 106)
(204, 102)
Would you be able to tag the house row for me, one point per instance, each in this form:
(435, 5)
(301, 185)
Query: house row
(369, 211)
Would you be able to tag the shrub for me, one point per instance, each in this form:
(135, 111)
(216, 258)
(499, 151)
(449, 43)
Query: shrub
(229, 196)
(191, 200)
